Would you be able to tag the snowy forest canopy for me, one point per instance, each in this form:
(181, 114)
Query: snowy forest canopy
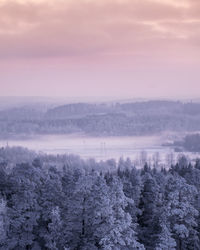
(64, 202)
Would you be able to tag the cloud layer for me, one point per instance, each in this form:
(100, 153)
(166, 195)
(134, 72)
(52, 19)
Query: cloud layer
(83, 27)
(119, 33)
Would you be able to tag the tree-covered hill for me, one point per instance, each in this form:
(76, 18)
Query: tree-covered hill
(140, 118)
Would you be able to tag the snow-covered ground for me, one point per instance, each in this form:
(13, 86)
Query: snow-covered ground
(100, 148)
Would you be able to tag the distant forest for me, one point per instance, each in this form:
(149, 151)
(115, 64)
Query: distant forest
(189, 143)
(120, 119)
(65, 203)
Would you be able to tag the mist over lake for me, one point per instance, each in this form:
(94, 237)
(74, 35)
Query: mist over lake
(103, 130)
(99, 148)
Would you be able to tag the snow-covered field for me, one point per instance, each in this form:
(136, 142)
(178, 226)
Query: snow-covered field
(100, 148)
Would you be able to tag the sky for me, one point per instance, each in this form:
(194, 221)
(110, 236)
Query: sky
(100, 48)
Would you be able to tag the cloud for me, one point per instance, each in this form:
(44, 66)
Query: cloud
(83, 28)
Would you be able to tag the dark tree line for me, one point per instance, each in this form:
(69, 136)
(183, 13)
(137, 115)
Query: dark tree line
(192, 143)
(107, 205)
(189, 143)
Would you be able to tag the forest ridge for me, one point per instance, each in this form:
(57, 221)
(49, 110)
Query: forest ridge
(108, 119)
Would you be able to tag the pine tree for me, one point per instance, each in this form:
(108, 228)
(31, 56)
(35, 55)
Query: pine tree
(51, 196)
(148, 220)
(3, 224)
(182, 214)
(54, 237)
(121, 235)
(88, 212)
(165, 240)
(23, 209)
(132, 186)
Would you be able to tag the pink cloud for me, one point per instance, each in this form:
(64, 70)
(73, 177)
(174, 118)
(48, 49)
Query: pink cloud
(99, 41)
(81, 28)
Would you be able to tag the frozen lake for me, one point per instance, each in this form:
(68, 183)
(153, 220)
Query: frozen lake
(100, 148)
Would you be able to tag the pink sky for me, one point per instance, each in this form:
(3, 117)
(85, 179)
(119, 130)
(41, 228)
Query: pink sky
(116, 48)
